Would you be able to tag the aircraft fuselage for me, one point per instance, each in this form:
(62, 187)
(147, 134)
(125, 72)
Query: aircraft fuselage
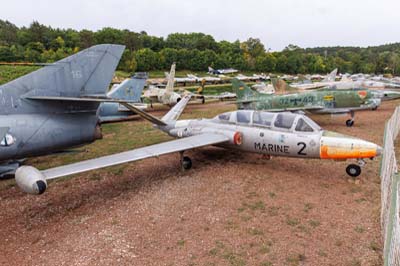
(37, 134)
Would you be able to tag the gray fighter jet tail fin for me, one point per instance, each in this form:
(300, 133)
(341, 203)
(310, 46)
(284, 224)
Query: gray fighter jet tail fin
(86, 73)
(130, 89)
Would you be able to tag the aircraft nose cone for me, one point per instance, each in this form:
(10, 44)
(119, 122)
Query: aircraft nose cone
(379, 150)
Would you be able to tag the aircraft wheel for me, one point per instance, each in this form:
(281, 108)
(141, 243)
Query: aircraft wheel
(353, 170)
(203, 101)
(349, 123)
(375, 108)
(186, 163)
(6, 176)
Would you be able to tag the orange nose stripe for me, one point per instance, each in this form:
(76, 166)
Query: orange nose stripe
(327, 152)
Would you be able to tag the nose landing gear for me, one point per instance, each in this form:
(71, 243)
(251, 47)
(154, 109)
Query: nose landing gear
(354, 170)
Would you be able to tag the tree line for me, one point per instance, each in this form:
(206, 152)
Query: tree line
(192, 51)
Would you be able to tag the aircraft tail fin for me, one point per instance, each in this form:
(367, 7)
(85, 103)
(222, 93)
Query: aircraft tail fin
(171, 79)
(331, 76)
(281, 87)
(242, 90)
(86, 73)
(130, 89)
(171, 116)
(177, 110)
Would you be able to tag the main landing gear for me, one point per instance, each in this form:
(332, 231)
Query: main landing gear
(350, 122)
(186, 162)
(354, 170)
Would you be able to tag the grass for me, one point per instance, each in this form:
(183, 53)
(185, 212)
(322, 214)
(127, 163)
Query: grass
(295, 259)
(234, 259)
(265, 247)
(322, 253)
(181, 242)
(221, 250)
(374, 246)
(355, 262)
(314, 223)
(259, 205)
(308, 207)
(255, 232)
(273, 211)
(359, 229)
(213, 252)
(292, 221)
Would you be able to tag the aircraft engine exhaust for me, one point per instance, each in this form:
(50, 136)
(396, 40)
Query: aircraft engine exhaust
(30, 180)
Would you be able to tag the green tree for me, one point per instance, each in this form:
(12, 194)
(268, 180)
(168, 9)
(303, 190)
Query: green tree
(128, 62)
(266, 63)
(6, 55)
(57, 43)
(8, 33)
(86, 38)
(109, 35)
(147, 60)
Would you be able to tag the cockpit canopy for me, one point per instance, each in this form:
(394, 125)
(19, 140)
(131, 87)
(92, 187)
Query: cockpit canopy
(284, 121)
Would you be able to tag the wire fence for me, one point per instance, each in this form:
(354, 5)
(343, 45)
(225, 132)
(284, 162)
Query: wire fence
(390, 193)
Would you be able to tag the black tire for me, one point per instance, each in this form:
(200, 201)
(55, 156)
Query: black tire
(349, 123)
(353, 170)
(186, 163)
(6, 176)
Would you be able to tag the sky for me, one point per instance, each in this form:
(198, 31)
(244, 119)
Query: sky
(306, 23)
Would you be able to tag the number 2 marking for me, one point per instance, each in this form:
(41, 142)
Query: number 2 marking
(303, 146)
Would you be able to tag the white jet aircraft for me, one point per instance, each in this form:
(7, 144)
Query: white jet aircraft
(278, 134)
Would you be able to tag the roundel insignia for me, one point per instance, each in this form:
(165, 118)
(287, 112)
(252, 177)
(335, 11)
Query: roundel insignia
(241, 88)
(362, 94)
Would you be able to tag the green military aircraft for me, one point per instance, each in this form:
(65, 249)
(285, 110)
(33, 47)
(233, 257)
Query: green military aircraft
(318, 101)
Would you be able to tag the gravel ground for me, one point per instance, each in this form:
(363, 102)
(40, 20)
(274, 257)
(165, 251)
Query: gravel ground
(230, 209)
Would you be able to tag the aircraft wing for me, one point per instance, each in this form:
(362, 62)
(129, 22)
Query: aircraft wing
(77, 99)
(135, 155)
(247, 101)
(304, 108)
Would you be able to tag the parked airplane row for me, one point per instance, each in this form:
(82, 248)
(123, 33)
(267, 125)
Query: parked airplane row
(64, 104)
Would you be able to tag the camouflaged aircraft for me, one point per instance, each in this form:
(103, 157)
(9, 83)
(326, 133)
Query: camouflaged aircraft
(318, 101)
(272, 134)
